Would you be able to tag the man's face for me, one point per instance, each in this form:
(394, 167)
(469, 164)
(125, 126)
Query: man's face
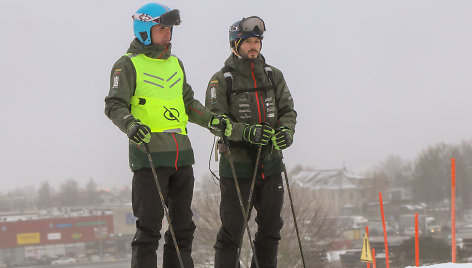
(160, 35)
(250, 48)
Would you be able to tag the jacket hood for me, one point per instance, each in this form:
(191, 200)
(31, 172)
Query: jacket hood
(243, 66)
(152, 51)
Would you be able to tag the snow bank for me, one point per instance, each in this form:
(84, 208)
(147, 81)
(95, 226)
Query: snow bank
(446, 265)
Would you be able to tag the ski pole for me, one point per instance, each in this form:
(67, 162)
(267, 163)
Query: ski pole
(238, 190)
(146, 146)
(246, 223)
(293, 212)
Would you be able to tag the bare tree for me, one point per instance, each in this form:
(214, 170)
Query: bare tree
(315, 228)
(464, 174)
(390, 173)
(205, 204)
(432, 170)
(91, 193)
(45, 196)
(316, 232)
(22, 199)
(69, 193)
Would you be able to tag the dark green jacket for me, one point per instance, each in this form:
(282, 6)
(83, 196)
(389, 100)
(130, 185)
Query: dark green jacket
(267, 104)
(167, 149)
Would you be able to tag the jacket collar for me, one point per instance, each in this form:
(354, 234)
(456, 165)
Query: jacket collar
(243, 66)
(151, 51)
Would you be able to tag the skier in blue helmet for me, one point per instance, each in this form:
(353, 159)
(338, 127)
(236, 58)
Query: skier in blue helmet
(153, 14)
(151, 102)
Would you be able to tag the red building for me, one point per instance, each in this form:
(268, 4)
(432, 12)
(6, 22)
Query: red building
(81, 235)
(55, 231)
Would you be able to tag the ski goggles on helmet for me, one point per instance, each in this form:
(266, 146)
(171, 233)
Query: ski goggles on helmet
(168, 19)
(248, 25)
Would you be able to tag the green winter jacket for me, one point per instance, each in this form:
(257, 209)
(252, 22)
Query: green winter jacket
(167, 149)
(248, 106)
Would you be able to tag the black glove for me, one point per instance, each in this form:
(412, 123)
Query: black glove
(258, 134)
(282, 139)
(138, 132)
(220, 123)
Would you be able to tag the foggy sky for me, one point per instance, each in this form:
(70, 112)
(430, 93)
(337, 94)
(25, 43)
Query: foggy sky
(369, 79)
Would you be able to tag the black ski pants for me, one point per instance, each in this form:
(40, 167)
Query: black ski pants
(268, 202)
(177, 190)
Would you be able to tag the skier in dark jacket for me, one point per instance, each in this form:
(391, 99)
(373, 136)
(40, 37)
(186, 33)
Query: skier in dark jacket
(151, 102)
(256, 98)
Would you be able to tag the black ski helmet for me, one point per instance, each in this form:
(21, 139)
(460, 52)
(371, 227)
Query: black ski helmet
(242, 29)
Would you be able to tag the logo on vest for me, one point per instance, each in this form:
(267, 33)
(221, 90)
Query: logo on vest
(169, 115)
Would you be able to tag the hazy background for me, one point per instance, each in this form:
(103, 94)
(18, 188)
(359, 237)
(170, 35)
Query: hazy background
(369, 79)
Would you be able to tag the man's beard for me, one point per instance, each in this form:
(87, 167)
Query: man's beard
(246, 55)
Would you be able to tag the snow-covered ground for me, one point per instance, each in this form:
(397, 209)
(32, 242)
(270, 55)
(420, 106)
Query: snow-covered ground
(446, 265)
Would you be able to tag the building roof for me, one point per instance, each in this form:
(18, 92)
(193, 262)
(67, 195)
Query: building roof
(329, 179)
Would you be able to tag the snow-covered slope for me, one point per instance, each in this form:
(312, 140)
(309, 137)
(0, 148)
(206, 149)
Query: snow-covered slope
(446, 265)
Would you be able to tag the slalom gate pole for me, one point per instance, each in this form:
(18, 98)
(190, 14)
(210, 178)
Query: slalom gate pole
(151, 163)
(250, 199)
(238, 190)
(453, 209)
(293, 212)
(384, 230)
(417, 243)
(373, 257)
(367, 232)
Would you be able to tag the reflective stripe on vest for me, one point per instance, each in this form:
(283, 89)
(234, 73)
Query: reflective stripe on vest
(158, 100)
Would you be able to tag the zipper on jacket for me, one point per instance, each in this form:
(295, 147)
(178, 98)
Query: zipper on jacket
(162, 52)
(177, 151)
(257, 95)
(258, 109)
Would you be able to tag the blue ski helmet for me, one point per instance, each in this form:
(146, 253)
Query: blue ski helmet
(152, 14)
(242, 29)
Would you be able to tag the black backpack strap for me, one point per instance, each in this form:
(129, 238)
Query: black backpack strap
(270, 75)
(229, 82)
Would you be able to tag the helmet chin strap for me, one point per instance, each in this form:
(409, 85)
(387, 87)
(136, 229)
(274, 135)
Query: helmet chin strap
(236, 53)
(234, 49)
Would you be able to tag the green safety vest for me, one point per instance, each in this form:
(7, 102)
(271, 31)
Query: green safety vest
(158, 100)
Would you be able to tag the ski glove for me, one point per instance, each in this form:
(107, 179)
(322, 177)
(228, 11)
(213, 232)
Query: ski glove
(220, 123)
(282, 139)
(258, 134)
(138, 132)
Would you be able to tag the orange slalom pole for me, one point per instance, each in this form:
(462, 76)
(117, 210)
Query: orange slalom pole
(367, 232)
(417, 248)
(373, 258)
(453, 209)
(384, 229)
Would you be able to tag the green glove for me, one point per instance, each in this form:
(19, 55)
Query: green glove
(282, 139)
(221, 123)
(138, 132)
(258, 134)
